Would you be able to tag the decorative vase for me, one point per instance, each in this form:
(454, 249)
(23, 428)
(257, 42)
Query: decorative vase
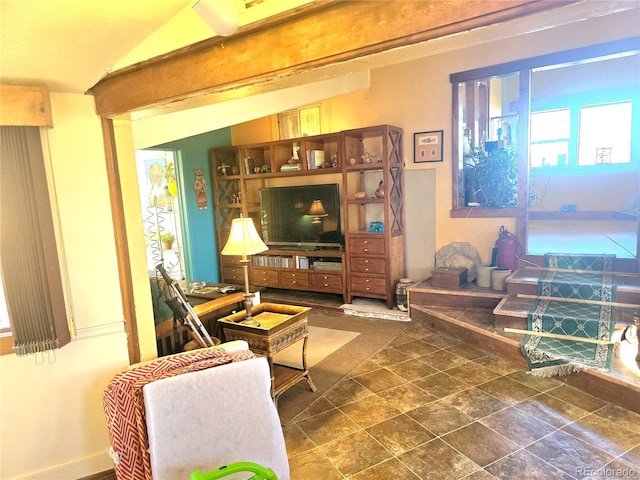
(380, 190)
(248, 166)
(402, 299)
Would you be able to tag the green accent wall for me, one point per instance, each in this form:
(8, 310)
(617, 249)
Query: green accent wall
(199, 243)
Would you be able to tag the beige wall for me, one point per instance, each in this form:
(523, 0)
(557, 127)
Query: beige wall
(51, 406)
(52, 422)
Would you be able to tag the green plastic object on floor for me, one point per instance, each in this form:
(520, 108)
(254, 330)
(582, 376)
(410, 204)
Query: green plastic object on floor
(261, 473)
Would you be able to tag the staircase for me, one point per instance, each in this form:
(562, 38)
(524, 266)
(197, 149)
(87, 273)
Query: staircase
(522, 291)
(479, 315)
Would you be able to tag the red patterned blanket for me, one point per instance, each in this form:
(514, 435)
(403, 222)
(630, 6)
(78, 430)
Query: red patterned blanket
(123, 405)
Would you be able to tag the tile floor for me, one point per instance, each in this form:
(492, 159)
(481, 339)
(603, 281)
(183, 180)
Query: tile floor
(428, 406)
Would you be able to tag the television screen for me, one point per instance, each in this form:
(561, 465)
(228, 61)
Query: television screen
(306, 216)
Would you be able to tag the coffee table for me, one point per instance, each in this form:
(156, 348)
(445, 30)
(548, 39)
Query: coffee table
(280, 326)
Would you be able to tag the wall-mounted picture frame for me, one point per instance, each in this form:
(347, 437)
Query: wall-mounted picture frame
(297, 123)
(428, 146)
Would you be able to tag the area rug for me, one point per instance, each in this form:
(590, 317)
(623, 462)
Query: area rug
(373, 308)
(321, 343)
(572, 333)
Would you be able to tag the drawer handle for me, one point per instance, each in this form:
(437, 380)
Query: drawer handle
(367, 281)
(365, 242)
(366, 269)
(366, 261)
(366, 249)
(326, 285)
(367, 289)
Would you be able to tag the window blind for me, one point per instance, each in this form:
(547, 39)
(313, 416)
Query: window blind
(28, 252)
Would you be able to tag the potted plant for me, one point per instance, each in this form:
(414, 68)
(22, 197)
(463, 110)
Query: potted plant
(167, 239)
(493, 177)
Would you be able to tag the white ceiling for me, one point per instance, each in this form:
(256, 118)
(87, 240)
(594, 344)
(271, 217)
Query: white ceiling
(69, 45)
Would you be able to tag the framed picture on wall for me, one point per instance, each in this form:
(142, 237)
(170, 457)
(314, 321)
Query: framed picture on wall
(428, 146)
(289, 124)
(297, 123)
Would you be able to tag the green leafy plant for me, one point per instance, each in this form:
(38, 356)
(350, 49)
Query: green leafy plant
(167, 237)
(169, 172)
(495, 177)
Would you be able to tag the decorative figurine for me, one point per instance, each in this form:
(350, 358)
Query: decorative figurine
(200, 187)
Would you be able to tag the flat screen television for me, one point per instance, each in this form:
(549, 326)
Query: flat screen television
(288, 220)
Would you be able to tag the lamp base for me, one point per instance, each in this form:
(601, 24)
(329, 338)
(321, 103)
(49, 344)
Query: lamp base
(252, 322)
(248, 304)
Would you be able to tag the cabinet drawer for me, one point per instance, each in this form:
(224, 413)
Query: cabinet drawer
(233, 275)
(265, 277)
(327, 282)
(294, 279)
(368, 285)
(373, 246)
(375, 265)
(230, 260)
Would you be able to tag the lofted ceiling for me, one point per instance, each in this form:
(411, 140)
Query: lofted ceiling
(69, 45)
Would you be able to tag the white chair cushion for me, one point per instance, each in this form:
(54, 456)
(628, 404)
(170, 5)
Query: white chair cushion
(210, 418)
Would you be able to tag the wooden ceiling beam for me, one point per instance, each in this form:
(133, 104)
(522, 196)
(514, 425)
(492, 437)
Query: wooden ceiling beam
(323, 34)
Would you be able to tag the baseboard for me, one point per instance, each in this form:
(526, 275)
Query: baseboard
(106, 475)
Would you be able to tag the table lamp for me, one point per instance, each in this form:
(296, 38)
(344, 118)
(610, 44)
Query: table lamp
(244, 241)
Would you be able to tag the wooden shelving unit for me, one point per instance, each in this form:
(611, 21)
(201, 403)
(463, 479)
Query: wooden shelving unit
(372, 261)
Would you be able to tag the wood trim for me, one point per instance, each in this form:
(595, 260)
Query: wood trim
(121, 241)
(483, 212)
(565, 56)
(581, 215)
(328, 34)
(104, 475)
(6, 343)
(25, 106)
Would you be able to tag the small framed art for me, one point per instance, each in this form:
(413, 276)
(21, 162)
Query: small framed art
(428, 146)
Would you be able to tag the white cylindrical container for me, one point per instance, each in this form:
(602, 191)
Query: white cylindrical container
(499, 279)
(484, 275)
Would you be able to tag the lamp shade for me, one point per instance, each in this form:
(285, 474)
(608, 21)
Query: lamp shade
(317, 209)
(243, 238)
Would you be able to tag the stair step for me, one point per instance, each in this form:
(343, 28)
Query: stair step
(525, 281)
(513, 310)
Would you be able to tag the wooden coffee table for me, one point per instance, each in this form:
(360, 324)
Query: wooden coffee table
(280, 326)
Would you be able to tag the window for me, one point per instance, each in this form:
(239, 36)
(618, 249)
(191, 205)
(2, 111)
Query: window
(550, 134)
(584, 135)
(605, 134)
(4, 314)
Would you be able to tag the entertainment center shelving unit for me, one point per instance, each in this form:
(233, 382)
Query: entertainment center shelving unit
(361, 161)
